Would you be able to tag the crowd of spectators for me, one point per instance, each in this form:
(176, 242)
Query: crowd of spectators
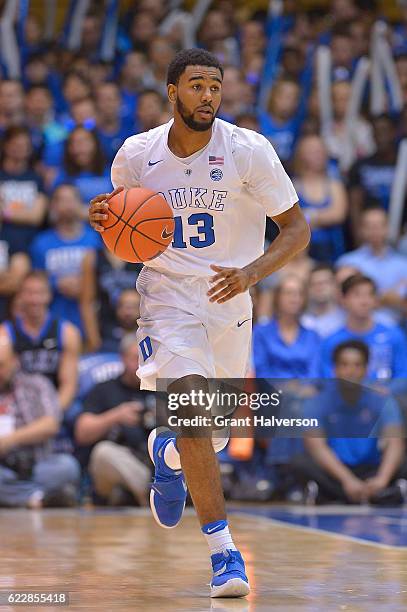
(72, 416)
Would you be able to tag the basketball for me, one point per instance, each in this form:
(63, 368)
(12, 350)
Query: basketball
(140, 225)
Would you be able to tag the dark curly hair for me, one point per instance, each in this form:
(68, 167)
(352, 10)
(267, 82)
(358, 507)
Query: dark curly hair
(190, 57)
(355, 345)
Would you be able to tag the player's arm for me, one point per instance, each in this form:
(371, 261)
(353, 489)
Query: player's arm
(68, 367)
(294, 236)
(268, 183)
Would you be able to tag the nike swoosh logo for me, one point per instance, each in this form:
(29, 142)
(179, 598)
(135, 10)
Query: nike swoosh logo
(240, 323)
(213, 529)
(150, 163)
(51, 343)
(185, 486)
(220, 571)
(165, 234)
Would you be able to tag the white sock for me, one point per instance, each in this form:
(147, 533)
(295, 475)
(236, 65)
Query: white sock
(172, 458)
(218, 537)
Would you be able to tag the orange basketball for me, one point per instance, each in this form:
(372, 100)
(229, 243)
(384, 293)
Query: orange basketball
(140, 225)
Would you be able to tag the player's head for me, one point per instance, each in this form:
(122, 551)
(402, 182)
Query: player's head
(194, 82)
(350, 360)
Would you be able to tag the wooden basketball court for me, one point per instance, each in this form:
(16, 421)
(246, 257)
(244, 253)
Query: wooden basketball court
(120, 560)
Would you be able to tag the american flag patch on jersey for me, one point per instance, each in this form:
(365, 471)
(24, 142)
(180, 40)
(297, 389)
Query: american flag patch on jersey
(216, 161)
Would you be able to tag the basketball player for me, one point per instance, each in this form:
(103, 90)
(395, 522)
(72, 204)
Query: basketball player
(221, 182)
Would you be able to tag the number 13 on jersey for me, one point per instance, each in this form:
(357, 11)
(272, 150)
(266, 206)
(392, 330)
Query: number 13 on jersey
(205, 233)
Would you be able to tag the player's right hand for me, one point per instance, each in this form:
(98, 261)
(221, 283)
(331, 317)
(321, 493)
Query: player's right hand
(98, 208)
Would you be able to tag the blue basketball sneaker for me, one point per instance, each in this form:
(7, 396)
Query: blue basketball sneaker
(169, 490)
(229, 575)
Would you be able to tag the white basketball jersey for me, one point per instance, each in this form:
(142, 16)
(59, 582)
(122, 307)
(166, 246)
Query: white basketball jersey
(217, 219)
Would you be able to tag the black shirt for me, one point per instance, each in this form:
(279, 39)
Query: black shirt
(40, 355)
(25, 188)
(375, 176)
(108, 395)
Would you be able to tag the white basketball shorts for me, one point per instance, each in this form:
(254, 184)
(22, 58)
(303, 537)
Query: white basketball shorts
(180, 332)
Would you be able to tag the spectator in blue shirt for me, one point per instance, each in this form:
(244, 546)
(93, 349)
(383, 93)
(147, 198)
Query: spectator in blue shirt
(111, 129)
(282, 124)
(385, 266)
(60, 251)
(387, 345)
(132, 77)
(356, 452)
(84, 165)
(322, 198)
(283, 348)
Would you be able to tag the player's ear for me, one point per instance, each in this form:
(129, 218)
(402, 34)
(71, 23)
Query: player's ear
(172, 93)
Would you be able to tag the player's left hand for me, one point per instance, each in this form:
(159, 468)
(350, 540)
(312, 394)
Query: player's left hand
(227, 282)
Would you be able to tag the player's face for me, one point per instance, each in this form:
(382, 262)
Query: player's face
(197, 96)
